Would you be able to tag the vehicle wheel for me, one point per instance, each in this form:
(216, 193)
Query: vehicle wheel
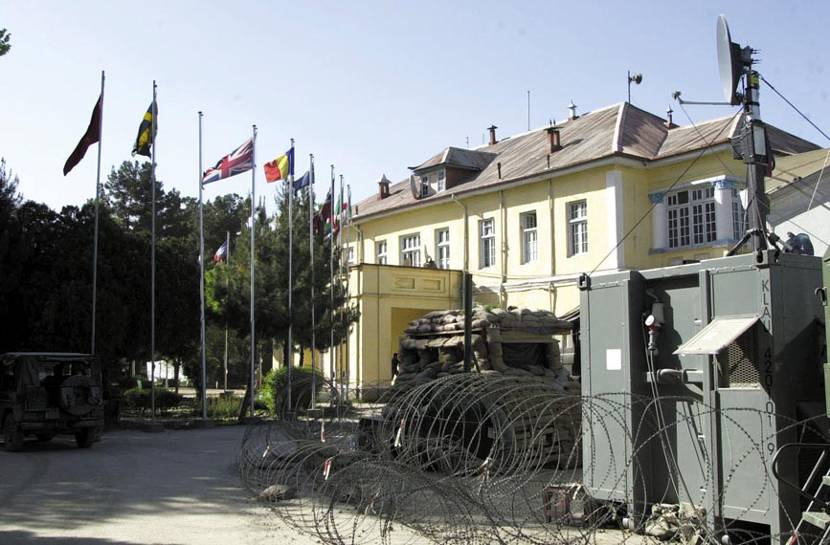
(85, 437)
(12, 435)
(44, 437)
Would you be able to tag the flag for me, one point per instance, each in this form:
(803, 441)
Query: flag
(238, 161)
(302, 181)
(91, 136)
(280, 168)
(221, 253)
(147, 131)
(323, 218)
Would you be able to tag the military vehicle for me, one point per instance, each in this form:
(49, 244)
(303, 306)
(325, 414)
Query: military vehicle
(46, 394)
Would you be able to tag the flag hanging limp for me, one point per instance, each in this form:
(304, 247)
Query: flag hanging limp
(280, 168)
(302, 181)
(147, 131)
(221, 253)
(91, 136)
(238, 161)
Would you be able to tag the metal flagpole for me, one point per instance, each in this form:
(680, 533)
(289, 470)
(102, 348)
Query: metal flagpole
(153, 260)
(202, 276)
(97, 201)
(331, 309)
(340, 233)
(253, 273)
(347, 226)
(311, 264)
(289, 361)
(227, 264)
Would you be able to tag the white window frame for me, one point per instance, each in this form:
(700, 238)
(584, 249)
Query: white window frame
(530, 236)
(442, 248)
(486, 243)
(350, 255)
(577, 227)
(691, 217)
(381, 255)
(441, 184)
(411, 250)
(738, 215)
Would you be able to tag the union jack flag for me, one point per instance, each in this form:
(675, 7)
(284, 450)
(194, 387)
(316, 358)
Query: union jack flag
(238, 161)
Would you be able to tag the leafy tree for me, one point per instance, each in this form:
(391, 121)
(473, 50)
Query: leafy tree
(4, 41)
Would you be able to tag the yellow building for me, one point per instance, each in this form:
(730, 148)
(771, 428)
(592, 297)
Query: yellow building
(617, 188)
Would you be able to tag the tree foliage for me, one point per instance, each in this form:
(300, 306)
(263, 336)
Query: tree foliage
(5, 45)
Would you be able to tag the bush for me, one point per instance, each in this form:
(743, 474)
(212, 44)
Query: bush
(274, 388)
(140, 398)
(224, 406)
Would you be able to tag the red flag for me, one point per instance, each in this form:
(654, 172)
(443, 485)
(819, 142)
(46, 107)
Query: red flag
(91, 136)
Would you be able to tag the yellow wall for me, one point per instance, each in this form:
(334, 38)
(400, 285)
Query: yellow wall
(389, 297)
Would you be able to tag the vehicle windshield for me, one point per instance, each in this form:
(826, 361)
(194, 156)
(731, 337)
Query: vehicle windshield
(46, 372)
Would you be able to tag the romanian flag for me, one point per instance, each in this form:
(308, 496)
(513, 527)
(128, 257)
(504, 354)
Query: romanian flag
(280, 168)
(147, 131)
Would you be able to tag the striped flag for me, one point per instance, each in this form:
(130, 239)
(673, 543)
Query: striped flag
(221, 253)
(238, 161)
(280, 168)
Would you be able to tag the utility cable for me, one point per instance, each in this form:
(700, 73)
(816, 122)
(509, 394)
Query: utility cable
(793, 106)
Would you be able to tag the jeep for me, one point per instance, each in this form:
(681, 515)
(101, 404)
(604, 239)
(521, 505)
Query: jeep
(45, 394)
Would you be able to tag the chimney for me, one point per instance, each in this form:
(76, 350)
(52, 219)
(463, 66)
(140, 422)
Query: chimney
(669, 123)
(492, 129)
(572, 110)
(498, 165)
(383, 186)
(553, 135)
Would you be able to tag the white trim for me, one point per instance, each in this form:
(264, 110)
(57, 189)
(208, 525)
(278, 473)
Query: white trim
(614, 218)
(615, 141)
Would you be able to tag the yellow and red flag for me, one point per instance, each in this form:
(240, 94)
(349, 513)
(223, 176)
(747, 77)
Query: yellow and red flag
(280, 168)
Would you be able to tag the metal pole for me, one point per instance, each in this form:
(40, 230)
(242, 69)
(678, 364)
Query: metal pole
(348, 227)
(290, 363)
(755, 149)
(311, 264)
(340, 232)
(153, 260)
(227, 264)
(97, 201)
(528, 109)
(202, 277)
(331, 309)
(468, 320)
(253, 273)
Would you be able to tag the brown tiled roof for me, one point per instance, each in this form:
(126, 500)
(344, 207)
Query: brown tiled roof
(621, 130)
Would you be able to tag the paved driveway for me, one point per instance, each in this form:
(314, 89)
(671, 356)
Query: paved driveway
(173, 487)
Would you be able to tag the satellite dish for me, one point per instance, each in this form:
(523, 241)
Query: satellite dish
(730, 63)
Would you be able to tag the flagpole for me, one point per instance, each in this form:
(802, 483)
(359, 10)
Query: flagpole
(340, 232)
(311, 263)
(97, 201)
(153, 260)
(331, 273)
(290, 363)
(202, 276)
(253, 273)
(227, 264)
(347, 224)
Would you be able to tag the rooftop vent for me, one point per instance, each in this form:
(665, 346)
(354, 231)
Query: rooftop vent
(492, 129)
(383, 187)
(572, 110)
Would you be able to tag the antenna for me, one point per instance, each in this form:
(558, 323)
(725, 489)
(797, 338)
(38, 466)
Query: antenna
(732, 62)
(528, 109)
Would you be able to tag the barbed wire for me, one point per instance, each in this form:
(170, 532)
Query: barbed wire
(493, 458)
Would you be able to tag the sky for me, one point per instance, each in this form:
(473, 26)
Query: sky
(371, 87)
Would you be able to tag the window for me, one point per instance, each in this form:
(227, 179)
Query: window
(411, 250)
(442, 182)
(738, 216)
(380, 252)
(691, 216)
(425, 186)
(350, 256)
(529, 237)
(578, 227)
(442, 248)
(487, 246)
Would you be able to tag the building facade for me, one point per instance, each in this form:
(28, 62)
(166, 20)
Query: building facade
(614, 189)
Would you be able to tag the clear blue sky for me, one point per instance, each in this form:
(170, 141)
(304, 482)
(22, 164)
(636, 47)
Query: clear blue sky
(373, 87)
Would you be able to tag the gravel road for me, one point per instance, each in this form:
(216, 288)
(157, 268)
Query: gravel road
(172, 487)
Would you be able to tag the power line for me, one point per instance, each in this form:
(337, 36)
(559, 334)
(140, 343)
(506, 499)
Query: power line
(793, 106)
